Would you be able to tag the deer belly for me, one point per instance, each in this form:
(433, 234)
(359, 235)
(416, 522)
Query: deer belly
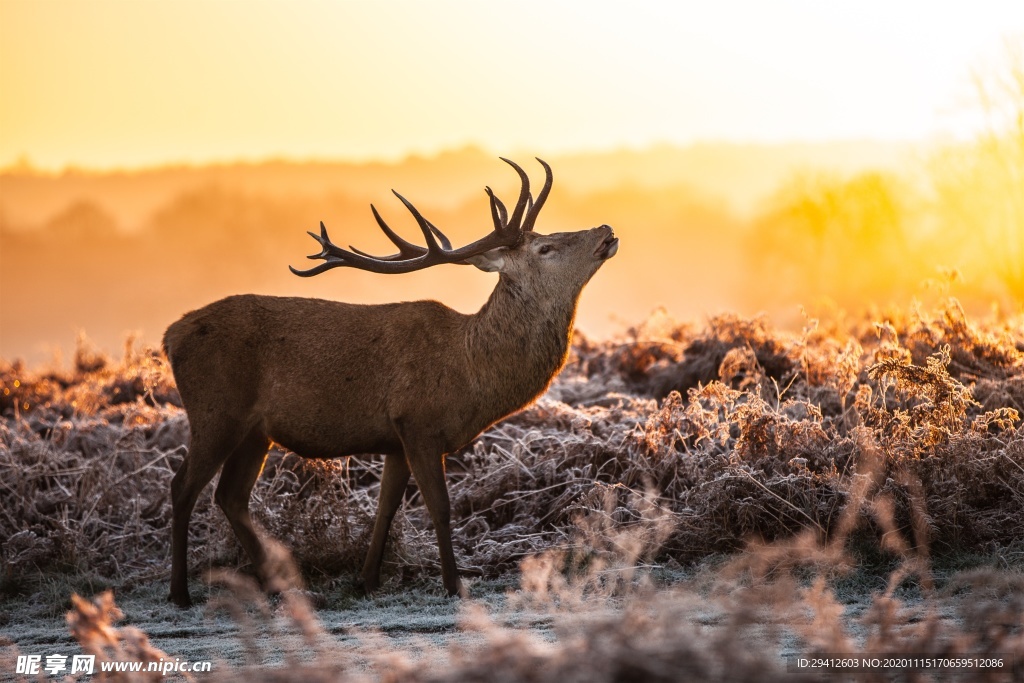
(312, 447)
(333, 438)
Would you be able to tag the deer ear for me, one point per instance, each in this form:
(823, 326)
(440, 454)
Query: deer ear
(489, 261)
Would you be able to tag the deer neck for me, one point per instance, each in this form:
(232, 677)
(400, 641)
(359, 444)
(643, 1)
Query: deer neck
(518, 341)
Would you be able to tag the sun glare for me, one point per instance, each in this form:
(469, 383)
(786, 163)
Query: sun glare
(110, 83)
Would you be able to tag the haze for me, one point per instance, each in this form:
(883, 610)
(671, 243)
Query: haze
(751, 156)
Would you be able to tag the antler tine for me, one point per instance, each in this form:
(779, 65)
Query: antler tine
(535, 207)
(425, 226)
(445, 242)
(406, 249)
(329, 252)
(498, 212)
(424, 223)
(323, 240)
(524, 193)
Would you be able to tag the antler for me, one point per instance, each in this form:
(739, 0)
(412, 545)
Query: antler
(508, 232)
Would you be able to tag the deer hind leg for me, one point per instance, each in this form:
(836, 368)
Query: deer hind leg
(427, 466)
(392, 488)
(237, 479)
(206, 453)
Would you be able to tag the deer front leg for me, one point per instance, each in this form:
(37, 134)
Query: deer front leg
(427, 464)
(392, 488)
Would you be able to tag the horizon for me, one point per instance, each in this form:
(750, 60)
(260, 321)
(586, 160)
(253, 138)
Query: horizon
(25, 165)
(741, 175)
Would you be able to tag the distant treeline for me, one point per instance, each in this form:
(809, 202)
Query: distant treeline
(134, 251)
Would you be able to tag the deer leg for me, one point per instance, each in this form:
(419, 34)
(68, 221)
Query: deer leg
(239, 475)
(428, 468)
(205, 456)
(392, 488)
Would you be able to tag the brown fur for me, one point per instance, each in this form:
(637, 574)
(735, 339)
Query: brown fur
(411, 381)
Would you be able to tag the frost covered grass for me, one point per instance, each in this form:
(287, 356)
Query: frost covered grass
(744, 431)
(607, 621)
(891, 442)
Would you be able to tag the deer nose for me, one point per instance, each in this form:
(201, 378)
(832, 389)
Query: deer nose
(609, 243)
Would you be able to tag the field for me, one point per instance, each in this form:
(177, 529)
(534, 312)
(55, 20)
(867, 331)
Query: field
(787, 442)
(687, 500)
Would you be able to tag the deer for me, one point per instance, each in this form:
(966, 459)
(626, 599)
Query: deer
(412, 381)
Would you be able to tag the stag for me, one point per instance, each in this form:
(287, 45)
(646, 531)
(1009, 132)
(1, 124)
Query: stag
(411, 381)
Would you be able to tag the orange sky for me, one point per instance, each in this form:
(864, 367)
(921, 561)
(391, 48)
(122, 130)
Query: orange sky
(124, 83)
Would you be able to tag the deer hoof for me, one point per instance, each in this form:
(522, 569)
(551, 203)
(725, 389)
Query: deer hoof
(182, 601)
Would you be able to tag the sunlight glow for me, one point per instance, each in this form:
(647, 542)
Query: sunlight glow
(110, 83)
(754, 157)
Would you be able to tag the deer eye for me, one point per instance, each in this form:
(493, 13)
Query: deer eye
(545, 249)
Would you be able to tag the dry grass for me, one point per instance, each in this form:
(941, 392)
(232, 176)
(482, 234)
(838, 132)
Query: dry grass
(900, 433)
(745, 431)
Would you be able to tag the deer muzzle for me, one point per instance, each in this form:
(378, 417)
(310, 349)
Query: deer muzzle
(608, 246)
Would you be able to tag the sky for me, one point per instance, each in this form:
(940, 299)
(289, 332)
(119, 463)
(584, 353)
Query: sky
(108, 84)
